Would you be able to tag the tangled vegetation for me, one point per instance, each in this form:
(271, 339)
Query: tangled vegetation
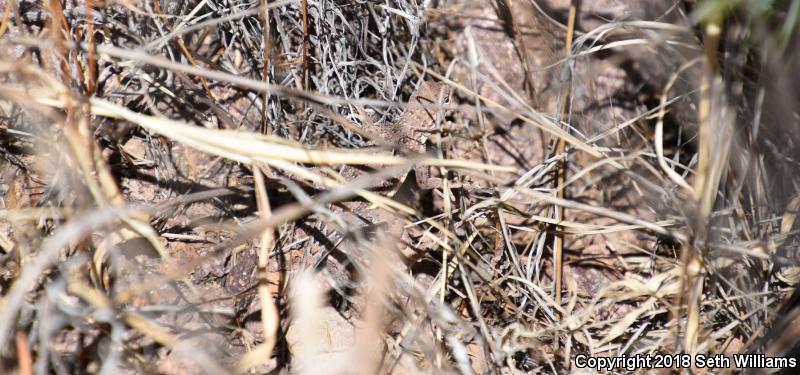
(435, 186)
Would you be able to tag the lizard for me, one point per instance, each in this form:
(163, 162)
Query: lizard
(411, 132)
(410, 135)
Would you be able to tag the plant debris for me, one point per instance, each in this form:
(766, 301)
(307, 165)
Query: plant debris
(304, 186)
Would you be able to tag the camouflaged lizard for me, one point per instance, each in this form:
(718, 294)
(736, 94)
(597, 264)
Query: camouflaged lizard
(420, 120)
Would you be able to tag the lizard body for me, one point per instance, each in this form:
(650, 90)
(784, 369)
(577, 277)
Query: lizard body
(420, 120)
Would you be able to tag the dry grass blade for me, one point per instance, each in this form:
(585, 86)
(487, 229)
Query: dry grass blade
(270, 318)
(561, 172)
(249, 148)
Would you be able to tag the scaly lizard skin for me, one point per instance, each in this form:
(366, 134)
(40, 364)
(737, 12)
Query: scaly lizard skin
(417, 124)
